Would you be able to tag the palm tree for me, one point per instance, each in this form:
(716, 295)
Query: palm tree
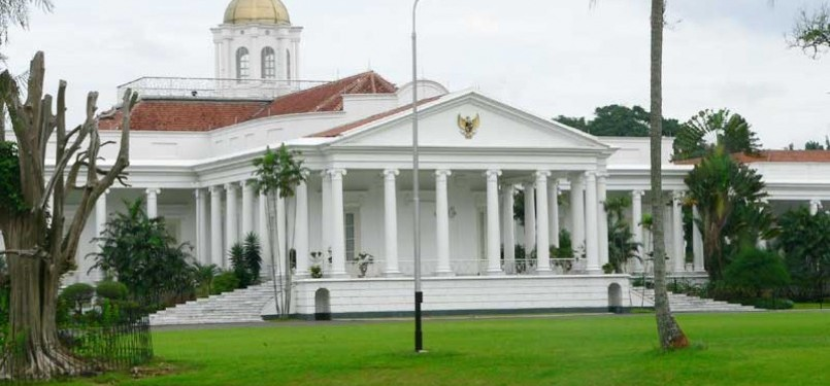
(730, 131)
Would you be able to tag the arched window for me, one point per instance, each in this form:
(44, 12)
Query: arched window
(269, 63)
(243, 63)
(288, 64)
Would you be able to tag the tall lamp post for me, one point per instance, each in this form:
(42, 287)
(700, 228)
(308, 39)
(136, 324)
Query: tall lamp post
(416, 197)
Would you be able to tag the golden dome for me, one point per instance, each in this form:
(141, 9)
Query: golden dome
(256, 11)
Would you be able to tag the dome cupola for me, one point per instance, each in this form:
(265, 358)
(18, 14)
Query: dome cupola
(257, 12)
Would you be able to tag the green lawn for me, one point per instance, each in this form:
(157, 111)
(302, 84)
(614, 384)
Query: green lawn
(776, 348)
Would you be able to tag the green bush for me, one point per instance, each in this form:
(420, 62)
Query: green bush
(112, 290)
(774, 304)
(77, 296)
(225, 282)
(755, 272)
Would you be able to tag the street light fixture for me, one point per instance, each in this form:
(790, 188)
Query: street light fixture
(416, 197)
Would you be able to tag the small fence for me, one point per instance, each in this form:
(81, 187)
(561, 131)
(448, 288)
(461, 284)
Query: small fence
(89, 350)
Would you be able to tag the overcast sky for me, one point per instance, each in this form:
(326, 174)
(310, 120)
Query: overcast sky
(550, 57)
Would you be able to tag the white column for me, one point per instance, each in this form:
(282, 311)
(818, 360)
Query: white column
(301, 230)
(100, 226)
(493, 247)
(231, 229)
(509, 229)
(592, 223)
(602, 185)
(578, 212)
(697, 245)
(679, 255)
(553, 211)
(390, 217)
(530, 219)
(247, 209)
(338, 248)
(442, 223)
(217, 252)
(542, 217)
(281, 244)
(637, 227)
(264, 232)
(815, 205)
(327, 224)
(152, 202)
(201, 227)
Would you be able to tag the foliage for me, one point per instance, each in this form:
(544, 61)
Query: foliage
(316, 272)
(565, 250)
(225, 282)
(142, 254)
(246, 260)
(812, 31)
(729, 197)
(756, 272)
(16, 13)
(11, 196)
(78, 296)
(730, 131)
(204, 275)
(364, 260)
(112, 290)
(805, 243)
(279, 171)
(621, 244)
(253, 255)
(619, 121)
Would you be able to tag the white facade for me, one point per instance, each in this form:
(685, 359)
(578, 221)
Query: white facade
(358, 198)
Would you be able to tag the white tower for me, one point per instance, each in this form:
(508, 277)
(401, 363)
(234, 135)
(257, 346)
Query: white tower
(257, 47)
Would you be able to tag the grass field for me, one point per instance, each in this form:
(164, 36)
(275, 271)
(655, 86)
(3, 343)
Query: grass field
(780, 348)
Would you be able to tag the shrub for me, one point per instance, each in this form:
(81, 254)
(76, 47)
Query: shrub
(77, 296)
(112, 290)
(225, 282)
(755, 271)
(774, 304)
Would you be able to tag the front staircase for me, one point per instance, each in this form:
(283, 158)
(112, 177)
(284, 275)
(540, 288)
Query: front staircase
(683, 303)
(240, 306)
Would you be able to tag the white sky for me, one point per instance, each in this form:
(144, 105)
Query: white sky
(548, 56)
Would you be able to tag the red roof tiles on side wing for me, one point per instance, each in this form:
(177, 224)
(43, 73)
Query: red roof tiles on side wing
(183, 115)
(327, 97)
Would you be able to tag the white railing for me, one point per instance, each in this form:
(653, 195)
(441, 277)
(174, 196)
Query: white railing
(206, 88)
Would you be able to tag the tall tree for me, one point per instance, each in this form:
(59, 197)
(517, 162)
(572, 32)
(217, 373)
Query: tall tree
(39, 247)
(812, 31)
(670, 334)
(619, 121)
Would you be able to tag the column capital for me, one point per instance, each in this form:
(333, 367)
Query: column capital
(678, 195)
(390, 173)
(216, 189)
(591, 175)
(542, 175)
(337, 173)
(576, 176)
(153, 191)
(231, 186)
(492, 173)
(816, 202)
(443, 173)
(106, 192)
(638, 193)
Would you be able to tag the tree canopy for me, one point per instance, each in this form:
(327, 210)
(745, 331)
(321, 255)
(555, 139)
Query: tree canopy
(619, 121)
(709, 129)
(812, 31)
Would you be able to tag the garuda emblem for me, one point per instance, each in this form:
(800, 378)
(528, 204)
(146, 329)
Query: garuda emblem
(468, 125)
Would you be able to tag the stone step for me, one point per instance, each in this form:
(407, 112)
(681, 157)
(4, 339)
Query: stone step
(686, 303)
(240, 306)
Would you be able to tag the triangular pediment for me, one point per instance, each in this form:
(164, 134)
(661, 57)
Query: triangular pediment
(492, 125)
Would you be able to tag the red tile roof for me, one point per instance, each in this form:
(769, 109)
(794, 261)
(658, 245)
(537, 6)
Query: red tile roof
(774, 156)
(205, 115)
(331, 133)
(327, 97)
(786, 156)
(183, 115)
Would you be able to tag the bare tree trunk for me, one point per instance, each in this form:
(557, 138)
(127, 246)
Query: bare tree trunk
(670, 334)
(38, 250)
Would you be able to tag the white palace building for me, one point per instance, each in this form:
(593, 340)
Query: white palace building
(194, 140)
